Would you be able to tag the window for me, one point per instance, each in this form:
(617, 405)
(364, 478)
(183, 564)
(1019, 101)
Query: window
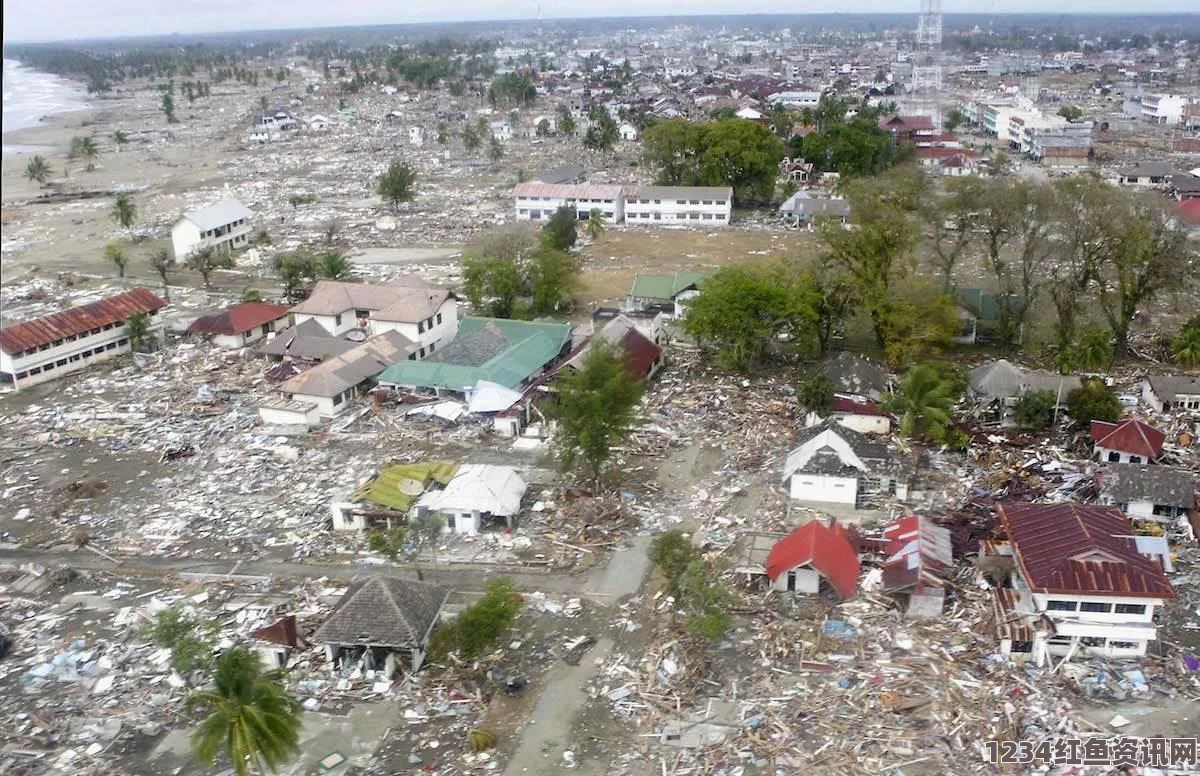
(658, 216)
(338, 399)
(75, 358)
(412, 356)
(681, 202)
(1135, 459)
(47, 367)
(1092, 641)
(708, 216)
(721, 202)
(22, 375)
(61, 362)
(1095, 607)
(1114, 457)
(362, 313)
(720, 216)
(421, 352)
(1061, 606)
(1131, 608)
(420, 327)
(337, 320)
(111, 346)
(658, 201)
(432, 346)
(123, 341)
(1123, 645)
(695, 202)
(439, 319)
(708, 201)
(37, 370)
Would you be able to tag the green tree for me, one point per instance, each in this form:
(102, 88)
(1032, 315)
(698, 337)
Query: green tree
(950, 222)
(595, 223)
(495, 149)
(729, 152)
(852, 149)
(115, 255)
(602, 134)
(705, 601)
(565, 123)
(550, 277)
(397, 184)
(559, 232)
(250, 717)
(388, 542)
(1034, 410)
(189, 638)
(137, 329)
(1094, 350)
(1093, 400)
(206, 261)
(124, 211)
(816, 395)
(89, 151)
(954, 119)
(333, 265)
(1071, 113)
(481, 624)
(923, 401)
(162, 263)
(741, 311)
(168, 108)
(919, 323)
(543, 128)
(294, 270)
(1185, 348)
(595, 408)
(492, 285)
(470, 138)
(120, 138)
(442, 133)
(251, 295)
(38, 169)
(671, 553)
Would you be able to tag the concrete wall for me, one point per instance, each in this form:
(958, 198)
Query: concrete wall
(818, 487)
(186, 238)
(1104, 454)
(273, 416)
(542, 208)
(807, 580)
(866, 424)
(716, 212)
(67, 355)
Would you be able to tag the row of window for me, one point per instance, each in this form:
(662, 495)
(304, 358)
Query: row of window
(1096, 642)
(568, 200)
(718, 202)
(680, 217)
(37, 370)
(1094, 607)
(72, 338)
(428, 324)
(223, 230)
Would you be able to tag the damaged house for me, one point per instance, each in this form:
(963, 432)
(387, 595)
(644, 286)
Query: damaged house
(798, 562)
(240, 324)
(386, 498)
(918, 561)
(1143, 492)
(1171, 393)
(477, 495)
(996, 386)
(383, 624)
(1072, 579)
(667, 294)
(832, 464)
(856, 377)
(1129, 441)
(643, 356)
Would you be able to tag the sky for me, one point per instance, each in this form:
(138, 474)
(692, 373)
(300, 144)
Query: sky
(40, 20)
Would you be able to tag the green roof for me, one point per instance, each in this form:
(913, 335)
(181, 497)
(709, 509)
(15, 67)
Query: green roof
(397, 485)
(532, 345)
(986, 307)
(664, 286)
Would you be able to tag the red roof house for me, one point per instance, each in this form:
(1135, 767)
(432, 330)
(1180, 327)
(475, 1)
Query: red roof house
(1080, 550)
(78, 321)
(241, 323)
(1129, 441)
(814, 550)
(918, 554)
(1189, 211)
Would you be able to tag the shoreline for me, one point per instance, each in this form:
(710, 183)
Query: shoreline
(49, 123)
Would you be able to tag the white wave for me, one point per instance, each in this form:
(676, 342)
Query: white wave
(30, 96)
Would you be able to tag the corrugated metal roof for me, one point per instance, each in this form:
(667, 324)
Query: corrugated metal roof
(567, 190)
(384, 612)
(828, 549)
(239, 319)
(1129, 436)
(77, 320)
(222, 213)
(665, 287)
(355, 366)
(397, 485)
(680, 192)
(1080, 549)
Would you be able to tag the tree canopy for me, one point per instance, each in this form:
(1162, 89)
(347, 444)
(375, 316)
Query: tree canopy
(560, 231)
(397, 184)
(729, 152)
(513, 274)
(923, 400)
(1093, 401)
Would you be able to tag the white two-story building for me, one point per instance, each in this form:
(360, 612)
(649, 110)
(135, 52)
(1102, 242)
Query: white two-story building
(224, 227)
(427, 316)
(57, 344)
(695, 205)
(1074, 581)
(537, 201)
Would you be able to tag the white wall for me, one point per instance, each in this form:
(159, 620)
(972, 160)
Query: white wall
(432, 332)
(275, 416)
(1103, 453)
(866, 424)
(807, 580)
(820, 487)
(544, 207)
(335, 325)
(70, 354)
(674, 211)
(186, 238)
(1040, 603)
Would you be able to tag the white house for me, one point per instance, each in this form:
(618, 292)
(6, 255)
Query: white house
(224, 227)
(57, 344)
(1129, 441)
(477, 493)
(1074, 580)
(856, 414)
(241, 324)
(748, 113)
(318, 123)
(1144, 492)
(1163, 108)
(538, 201)
(627, 131)
(1171, 393)
(416, 136)
(837, 465)
(425, 315)
(501, 130)
(695, 205)
(382, 624)
(332, 385)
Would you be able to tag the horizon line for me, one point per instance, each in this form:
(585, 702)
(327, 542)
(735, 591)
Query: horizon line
(529, 20)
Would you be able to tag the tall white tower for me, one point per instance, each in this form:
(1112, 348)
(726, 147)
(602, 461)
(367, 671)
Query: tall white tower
(927, 63)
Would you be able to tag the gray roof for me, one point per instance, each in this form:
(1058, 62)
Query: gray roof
(354, 367)
(473, 349)
(681, 192)
(407, 300)
(861, 444)
(307, 341)
(384, 612)
(1003, 380)
(1167, 387)
(855, 374)
(565, 174)
(1150, 170)
(803, 204)
(827, 461)
(1126, 482)
(224, 212)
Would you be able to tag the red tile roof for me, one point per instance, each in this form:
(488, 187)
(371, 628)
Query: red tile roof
(283, 632)
(1080, 549)
(1189, 210)
(828, 549)
(640, 353)
(1129, 436)
(78, 320)
(906, 123)
(850, 406)
(239, 319)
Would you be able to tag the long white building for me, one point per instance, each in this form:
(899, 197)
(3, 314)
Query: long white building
(224, 227)
(54, 345)
(712, 205)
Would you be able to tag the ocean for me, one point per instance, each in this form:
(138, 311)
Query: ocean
(30, 96)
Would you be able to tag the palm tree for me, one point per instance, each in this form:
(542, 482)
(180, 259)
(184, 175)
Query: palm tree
(38, 170)
(595, 223)
(251, 718)
(333, 265)
(137, 329)
(116, 254)
(120, 138)
(89, 151)
(1186, 347)
(1095, 349)
(124, 211)
(161, 262)
(923, 401)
